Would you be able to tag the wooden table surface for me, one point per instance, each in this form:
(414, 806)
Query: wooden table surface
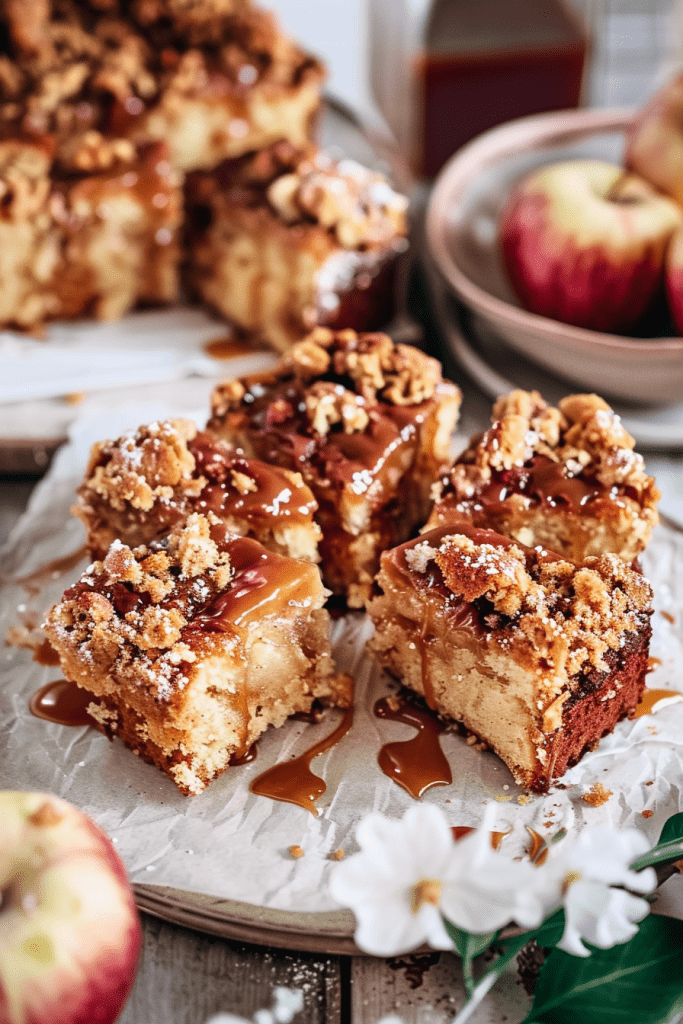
(186, 977)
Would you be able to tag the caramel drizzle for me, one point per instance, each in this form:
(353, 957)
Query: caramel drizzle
(35, 580)
(250, 755)
(293, 782)
(63, 703)
(652, 663)
(650, 698)
(460, 831)
(538, 848)
(419, 763)
(545, 480)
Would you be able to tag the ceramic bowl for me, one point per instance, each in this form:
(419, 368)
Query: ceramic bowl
(462, 234)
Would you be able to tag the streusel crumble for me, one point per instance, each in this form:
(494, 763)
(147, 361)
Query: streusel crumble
(566, 478)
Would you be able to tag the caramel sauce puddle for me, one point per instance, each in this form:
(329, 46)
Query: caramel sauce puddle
(419, 763)
(293, 782)
(650, 698)
(228, 348)
(63, 703)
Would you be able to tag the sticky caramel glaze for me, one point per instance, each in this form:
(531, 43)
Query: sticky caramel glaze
(264, 584)
(64, 703)
(419, 763)
(460, 831)
(293, 782)
(542, 480)
(279, 434)
(275, 497)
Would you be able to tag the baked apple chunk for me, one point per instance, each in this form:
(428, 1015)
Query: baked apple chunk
(193, 646)
(367, 424)
(536, 656)
(566, 479)
(137, 487)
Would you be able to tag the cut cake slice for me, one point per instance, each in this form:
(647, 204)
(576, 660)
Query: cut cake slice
(367, 424)
(536, 656)
(194, 646)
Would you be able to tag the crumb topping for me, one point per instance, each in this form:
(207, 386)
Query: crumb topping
(69, 64)
(144, 467)
(143, 483)
(357, 205)
(368, 366)
(584, 437)
(557, 616)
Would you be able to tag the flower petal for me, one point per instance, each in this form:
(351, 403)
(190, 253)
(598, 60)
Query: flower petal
(602, 916)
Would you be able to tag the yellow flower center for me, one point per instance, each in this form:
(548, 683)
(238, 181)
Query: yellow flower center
(426, 891)
(569, 879)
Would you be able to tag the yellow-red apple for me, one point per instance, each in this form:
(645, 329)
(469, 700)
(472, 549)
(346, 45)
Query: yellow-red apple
(584, 242)
(69, 929)
(654, 144)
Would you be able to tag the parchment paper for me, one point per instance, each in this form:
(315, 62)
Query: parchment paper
(231, 844)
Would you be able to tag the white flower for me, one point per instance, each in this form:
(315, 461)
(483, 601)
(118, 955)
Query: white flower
(410, 871)
(580, 877)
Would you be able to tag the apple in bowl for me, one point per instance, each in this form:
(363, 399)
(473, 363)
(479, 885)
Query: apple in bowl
(584, 242)
(69, 930)
(654, 144)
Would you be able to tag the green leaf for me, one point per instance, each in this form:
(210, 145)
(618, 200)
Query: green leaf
(468, 946)
(673, 829)
(638, 982)
(669, 847)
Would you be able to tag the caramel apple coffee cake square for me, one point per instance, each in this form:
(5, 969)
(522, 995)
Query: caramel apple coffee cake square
(139, 486)
(366, 422)
(194, 645)
(288, 240)
(566, 479)
(536, 656)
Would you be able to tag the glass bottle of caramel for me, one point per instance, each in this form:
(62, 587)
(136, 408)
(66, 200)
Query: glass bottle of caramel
(442, 71)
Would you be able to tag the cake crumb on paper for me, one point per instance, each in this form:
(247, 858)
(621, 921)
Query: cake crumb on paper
(647, 814)
(597, 795)
(296, 852)
(523, 798)
(337, 855)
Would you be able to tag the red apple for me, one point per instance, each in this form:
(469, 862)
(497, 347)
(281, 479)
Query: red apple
(69, 931)
(674, 280)
(654, 145)
(584, 243)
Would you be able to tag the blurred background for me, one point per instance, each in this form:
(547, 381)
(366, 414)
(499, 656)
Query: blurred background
(632, 44)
